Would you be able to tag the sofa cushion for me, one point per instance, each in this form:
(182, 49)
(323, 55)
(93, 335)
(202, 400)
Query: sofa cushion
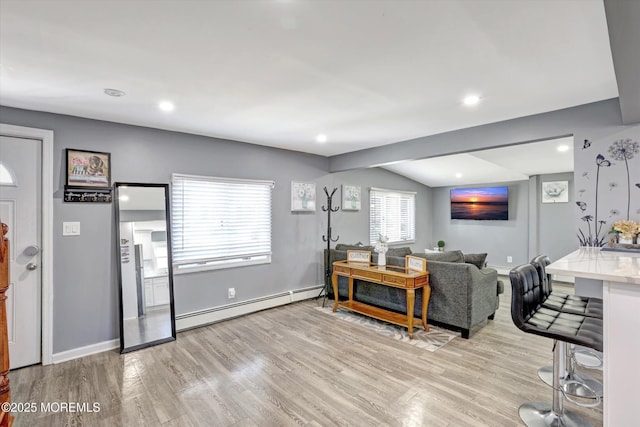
(402, 252)
(478, 260)
(449, 256)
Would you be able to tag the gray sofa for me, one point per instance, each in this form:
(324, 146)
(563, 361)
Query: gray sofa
(463, 294)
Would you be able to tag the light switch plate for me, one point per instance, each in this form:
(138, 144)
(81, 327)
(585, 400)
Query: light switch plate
(70, 228)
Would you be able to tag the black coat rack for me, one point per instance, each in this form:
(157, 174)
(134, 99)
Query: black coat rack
(327, 238)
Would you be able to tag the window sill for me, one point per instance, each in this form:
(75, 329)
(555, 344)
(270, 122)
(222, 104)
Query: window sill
(219, 265)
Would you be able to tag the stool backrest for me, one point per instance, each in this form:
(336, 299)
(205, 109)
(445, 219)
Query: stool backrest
(540, 263)
(526, 293)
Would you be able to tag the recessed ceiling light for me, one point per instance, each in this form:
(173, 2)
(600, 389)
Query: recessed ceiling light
(458, 175)
(114, 92)
(166, 106)
(563, 148)
(471, 100)
(322, 138)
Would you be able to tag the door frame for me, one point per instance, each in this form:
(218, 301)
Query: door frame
(46, 138)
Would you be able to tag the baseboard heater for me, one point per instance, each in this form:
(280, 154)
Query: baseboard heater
(196, 319)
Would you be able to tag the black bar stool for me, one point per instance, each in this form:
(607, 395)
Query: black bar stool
(572, 304)
(575, 304)
(530, 316)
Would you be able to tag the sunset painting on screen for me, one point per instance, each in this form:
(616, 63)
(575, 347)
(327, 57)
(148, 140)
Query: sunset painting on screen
(480, 203)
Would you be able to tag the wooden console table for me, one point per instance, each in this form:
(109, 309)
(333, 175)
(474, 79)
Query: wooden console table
(397, 277)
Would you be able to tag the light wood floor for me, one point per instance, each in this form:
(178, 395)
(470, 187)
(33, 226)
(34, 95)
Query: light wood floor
(293, 365)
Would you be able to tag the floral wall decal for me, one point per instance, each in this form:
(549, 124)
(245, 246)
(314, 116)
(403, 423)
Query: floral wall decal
(607, 189)
(625, 149)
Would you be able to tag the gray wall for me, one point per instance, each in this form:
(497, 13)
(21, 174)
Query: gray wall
(533, 227)
(353, 226)
(84, 280)
(498, 239)
(618, 194)
(85, 286)
(556, 232)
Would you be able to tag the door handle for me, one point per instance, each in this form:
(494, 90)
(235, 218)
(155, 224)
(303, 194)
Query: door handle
(31, 266)
(32, 250)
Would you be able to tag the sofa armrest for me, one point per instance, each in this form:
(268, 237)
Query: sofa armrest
(461, 294)
(484, 293)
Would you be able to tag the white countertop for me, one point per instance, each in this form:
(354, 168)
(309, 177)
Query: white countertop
(592, 263)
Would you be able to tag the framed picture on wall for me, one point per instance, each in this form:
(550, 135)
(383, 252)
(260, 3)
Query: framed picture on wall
(88, 169)
(303, 196)
(351, 197)
(555, 192)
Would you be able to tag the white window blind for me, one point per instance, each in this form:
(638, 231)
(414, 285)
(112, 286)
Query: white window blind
(220, 222)
(392, 214)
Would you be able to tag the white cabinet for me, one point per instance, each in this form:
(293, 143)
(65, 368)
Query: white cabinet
(161, 290)
(156, 290)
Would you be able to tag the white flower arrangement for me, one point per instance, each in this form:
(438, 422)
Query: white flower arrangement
(381, 245)
(627, 229)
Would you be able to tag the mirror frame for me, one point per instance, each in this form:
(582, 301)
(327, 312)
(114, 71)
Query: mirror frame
(116, 198)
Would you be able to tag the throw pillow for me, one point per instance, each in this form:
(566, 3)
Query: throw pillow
(478, 260)
(449, 256)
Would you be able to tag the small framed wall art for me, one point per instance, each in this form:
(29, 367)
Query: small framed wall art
(351, 197)
(303, 196)
(88, 176)
(88, 169)
(555, 192)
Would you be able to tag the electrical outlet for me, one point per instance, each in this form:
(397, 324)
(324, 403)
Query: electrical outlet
(509, 259)
(232, 293)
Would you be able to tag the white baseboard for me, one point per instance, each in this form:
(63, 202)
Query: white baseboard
(216, 314)
(76, 353)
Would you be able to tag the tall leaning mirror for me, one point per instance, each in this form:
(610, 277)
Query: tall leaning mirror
(147, 314)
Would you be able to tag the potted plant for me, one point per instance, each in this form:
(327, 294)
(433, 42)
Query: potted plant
(441, 245)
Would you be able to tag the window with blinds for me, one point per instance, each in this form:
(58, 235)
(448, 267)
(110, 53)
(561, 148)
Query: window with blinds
(220, 222)
(392, 214)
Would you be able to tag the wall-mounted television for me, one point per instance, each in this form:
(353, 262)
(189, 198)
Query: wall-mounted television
(489, 203)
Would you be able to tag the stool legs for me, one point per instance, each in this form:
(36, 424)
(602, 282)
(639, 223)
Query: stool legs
(542, 414)
(578, 381)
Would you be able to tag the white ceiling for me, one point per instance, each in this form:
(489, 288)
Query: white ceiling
(514, 163)
(278, 73)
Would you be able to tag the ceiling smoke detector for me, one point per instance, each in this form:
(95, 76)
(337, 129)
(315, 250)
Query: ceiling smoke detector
(114, 92)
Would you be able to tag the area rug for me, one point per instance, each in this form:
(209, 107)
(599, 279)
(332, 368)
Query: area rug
(431, 341)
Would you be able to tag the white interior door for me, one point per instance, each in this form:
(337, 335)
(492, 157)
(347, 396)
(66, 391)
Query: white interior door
(20, 209)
